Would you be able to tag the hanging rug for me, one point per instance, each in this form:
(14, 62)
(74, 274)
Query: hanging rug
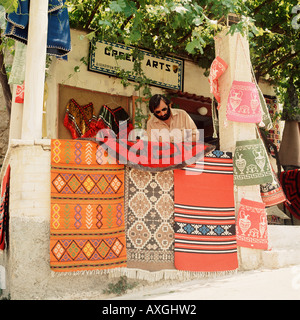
(149, 219)
(204, 216)
(87, 226)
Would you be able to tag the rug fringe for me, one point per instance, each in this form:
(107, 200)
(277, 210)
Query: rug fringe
(150, 276)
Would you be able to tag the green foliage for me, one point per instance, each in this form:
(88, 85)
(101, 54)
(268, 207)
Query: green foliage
(180, 27)
(187, 28)
(10, 5)
(275, 47)
(121, 287)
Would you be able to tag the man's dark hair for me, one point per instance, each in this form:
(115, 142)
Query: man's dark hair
(155, 101)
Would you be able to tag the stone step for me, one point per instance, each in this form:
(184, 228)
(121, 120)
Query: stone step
(287, 237)
(284, 245)
(280, 258)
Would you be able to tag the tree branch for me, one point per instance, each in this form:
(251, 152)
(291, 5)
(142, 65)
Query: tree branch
(265, 3)
(281, 61)
(93, 14)
(129, 18)
(4, 81)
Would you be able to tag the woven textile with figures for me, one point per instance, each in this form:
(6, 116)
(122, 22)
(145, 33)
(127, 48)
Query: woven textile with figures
(205, 239)
(251, 165)
(149, 219)
(87, 228)
(252, 226)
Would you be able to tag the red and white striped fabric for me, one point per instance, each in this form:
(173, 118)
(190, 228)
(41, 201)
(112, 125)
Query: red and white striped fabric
(205, 238)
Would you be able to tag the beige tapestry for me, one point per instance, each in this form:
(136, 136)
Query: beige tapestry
(149, 221)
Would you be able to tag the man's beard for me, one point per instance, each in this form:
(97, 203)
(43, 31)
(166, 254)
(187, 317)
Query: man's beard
(165, 117)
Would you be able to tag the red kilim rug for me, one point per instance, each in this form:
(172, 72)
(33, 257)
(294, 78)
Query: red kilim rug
(205, 237)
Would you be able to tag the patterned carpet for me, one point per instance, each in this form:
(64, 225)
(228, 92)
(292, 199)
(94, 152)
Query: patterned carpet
(87, 209)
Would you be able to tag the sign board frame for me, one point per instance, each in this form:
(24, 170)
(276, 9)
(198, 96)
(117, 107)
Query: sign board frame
(165, 72)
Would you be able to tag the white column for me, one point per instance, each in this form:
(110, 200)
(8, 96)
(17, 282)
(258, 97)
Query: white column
(238, 60)
(35, 70)
(237, 57)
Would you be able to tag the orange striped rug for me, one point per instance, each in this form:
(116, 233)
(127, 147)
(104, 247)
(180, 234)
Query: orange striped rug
(87, 229)
(205, 238)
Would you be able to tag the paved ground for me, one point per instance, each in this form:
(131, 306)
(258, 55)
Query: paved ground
(279, 284)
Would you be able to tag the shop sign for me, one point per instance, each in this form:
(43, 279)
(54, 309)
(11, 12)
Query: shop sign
(164, 72)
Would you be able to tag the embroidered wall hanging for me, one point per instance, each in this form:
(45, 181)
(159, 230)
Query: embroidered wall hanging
(205, 237)
(290, 181)
(274, 133)
(87, 228)
(272, 193)
(80, 120)
(117, 120)
(252, 226)
(244, 103)
(17, 73)
(251, 164)
(20, 91)
(4, 210)
(149, 219)
(218, 67)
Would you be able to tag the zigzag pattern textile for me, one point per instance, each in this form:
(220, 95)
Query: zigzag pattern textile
(290, 181)
(205, 238)
(87, 230)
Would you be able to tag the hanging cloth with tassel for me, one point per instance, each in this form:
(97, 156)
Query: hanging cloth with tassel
(243, 102)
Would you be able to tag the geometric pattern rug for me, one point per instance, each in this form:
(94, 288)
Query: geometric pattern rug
(149, 219)
(290, 181)
(87, 227)
(205, 236)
